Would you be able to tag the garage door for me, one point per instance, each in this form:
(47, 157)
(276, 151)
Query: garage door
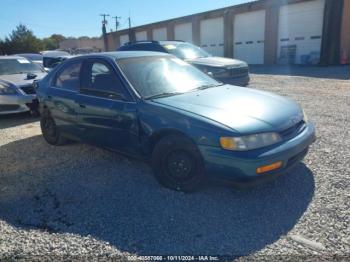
(212, 36)
(124, 39)
(159, 34)
(183, 32)
(300, 32)
(142, 35)
(249, 36)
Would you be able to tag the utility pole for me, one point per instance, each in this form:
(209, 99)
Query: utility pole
(129, 18)
(104, 31)
(116, 22)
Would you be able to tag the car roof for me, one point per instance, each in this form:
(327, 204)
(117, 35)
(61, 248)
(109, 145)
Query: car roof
(7, 57)
(123, 54)
(54, 53)
(20, 54)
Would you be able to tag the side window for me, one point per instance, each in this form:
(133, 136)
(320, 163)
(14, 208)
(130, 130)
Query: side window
(155, 48)
(145, 47)
(151, 47)
(100, 80)
(69, 77)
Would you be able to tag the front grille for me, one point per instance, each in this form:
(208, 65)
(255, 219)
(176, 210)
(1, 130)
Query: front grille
(4, 108)
(242, 71)
(291, 131)
(28, 89)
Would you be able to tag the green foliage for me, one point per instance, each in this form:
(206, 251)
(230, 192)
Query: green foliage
(2, 52)
(53, 42)
(57, 38)
(21, 40)
(50, 44)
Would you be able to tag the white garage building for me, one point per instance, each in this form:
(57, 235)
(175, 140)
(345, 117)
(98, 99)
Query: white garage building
(259, 32)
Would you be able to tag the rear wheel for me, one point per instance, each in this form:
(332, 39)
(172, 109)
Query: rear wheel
(50, 131)
(177, 163)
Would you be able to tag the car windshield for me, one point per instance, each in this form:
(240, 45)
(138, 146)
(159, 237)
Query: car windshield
(185, 51)
(18, 66)
(163, 76)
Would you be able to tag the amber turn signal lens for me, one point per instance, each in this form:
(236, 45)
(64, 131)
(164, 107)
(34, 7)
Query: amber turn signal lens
(268, 168)
(227, 143)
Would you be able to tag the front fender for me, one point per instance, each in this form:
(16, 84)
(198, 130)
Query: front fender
(156, 119)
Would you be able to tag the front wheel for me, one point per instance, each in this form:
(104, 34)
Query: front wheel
(50, 131)
(177, 163)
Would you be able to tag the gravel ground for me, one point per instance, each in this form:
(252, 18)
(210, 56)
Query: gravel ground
(78, 201)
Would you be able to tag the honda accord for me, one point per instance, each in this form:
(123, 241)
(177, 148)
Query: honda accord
(159, 108)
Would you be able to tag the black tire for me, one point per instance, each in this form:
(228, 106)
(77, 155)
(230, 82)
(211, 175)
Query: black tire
(50, 131)
(177, 163)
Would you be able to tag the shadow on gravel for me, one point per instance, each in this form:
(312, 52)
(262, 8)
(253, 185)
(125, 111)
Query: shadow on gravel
(88, 191)
(330, 72)
(12, 120)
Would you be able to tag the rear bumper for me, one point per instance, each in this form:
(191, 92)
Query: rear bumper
(10, 104)
(241, 166)
(238, 80)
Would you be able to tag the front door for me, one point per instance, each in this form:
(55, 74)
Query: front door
(107, 113)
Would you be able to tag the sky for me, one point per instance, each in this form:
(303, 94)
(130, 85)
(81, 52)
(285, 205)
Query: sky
(82, 17)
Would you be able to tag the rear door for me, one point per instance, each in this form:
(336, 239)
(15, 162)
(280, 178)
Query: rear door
(61, 97)
(107, 113)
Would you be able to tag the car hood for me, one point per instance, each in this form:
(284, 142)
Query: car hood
(20, 79)
(216, 61)
(245, 110)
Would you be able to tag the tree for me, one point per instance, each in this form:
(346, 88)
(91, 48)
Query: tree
(57, 38)
(49, 44)
(53, 42)
(22, 40)
(2, 52)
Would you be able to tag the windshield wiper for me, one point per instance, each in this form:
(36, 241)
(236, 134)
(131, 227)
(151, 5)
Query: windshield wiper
(165, 94)
(209, 86)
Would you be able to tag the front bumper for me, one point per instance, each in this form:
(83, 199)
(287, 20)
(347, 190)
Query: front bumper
(241, 166)
(10, 104)
(235, 80)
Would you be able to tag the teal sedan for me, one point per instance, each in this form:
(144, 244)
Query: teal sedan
(158, 108)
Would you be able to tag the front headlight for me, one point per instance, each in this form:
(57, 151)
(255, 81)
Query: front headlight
(243, 64)
(6, 89)
(250, 142)
(217, 71)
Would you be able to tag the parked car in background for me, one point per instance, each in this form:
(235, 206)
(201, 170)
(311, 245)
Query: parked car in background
(157, 107)
(53, 58)
(33, 57)
(17, 93)
(226, 70)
